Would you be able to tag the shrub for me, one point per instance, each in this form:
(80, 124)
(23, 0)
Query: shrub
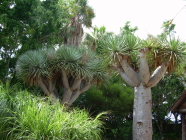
(32, 117)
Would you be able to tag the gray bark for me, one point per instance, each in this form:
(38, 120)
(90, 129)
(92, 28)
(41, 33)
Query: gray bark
(77, 92)
(126, 78)
(85, 87)
(65, 80)
(76, 84)
(144, 67)
(66, 96)
(76, 33)
(43, 87)
(142, 115)
(157, 75)
(48, 89)
(134, 77)
(74, 96)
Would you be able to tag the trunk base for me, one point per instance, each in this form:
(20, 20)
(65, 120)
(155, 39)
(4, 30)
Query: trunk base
(142, 114)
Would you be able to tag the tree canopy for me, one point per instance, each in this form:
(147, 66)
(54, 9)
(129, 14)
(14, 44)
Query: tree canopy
(28, 25)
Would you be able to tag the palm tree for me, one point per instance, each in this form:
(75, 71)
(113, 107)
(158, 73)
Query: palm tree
(71, 69)
(142, 64)
(92, 39)
(83, 17)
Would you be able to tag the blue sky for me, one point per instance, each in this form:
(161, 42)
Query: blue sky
(148, 15)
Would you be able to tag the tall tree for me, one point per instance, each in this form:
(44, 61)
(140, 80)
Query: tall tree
(83, 17)
(127, 29)
(156, 58)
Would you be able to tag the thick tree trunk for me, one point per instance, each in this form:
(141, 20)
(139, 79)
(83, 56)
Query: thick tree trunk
(126, 78)
(48, 89)
(43, 87)
(66, 96)
(76, 32)
(142, 115)
(74, 96)
(134, 77)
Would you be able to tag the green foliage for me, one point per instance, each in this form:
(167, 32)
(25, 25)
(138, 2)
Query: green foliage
(112, 46)
(92, 40)
(77, 62)
(163, 50)
(117, 96)
(168, 28)
(28, 25)
(117, 100)
(123, 131)
(163, 96)
(34, 117)
(31, 66)
(49, 65)
(85, 12)
(127, 29)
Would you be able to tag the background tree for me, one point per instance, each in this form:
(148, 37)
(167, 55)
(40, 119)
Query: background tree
(127, 29)
(71, 69)
(164, 96)
(92, 39)
(83, 17)
(29, 25)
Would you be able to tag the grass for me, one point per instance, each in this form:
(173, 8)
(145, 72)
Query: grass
(28, 117)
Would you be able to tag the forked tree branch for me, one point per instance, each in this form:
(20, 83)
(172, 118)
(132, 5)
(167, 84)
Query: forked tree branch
(76, 84)
(157, 75)
(144, 67)
(126, 78)
(43, 87)
(65, 80)
(66, 95)
(131, 74)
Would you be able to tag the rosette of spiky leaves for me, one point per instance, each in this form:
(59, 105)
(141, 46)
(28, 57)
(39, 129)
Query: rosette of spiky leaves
(172, 52)
(50, 54)
(112, 46)
(96, 65)
(77, 62)
(31, 66)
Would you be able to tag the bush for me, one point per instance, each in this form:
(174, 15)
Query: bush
(26, 116)
(117, 100)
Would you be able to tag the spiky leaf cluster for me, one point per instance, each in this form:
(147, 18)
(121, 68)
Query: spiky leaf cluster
(31, 66)
(76, 62)
(172, 52)
(112, 46)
